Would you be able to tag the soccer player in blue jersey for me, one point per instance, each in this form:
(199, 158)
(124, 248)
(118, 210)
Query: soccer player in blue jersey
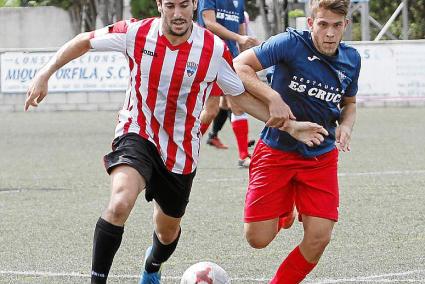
(316, 76)
(227, 20)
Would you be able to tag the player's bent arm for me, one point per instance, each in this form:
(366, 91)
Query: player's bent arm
(346, 123)
(251, 106)
(252, 41)
(348, 112)
(211, 24)
(306, 132)
(246, 65)
(74, 48)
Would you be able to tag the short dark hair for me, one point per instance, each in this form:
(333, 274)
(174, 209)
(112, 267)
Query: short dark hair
(339, 7)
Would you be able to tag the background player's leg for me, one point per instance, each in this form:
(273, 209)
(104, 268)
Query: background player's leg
(209, 112)
(218, 124)
(239, 121)
(302, 260)
(165, 238)
(240, 129)
(126, 184)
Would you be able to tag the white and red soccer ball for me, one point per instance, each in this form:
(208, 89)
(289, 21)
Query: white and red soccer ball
(205, 273)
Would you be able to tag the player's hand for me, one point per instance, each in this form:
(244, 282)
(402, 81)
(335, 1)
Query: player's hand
(343, 138)
(279, 112)
(309, 133)
(37, 90)
(248, 41)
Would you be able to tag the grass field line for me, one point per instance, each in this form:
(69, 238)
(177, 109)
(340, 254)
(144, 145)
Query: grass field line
(378, 173)
(380, 278)
(80, 275)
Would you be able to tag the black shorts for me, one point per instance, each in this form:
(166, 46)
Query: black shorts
(170, 190)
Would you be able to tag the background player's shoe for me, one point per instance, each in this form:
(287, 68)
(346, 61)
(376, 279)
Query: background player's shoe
(149, 278)
(215, 142)
(244, 163)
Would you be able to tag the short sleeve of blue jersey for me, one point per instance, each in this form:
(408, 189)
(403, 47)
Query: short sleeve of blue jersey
(354, 87)
(206, 5)
(241, 12)
(275, 50)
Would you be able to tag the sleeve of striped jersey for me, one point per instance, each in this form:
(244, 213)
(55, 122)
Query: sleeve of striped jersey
(227, 79)
(110, 38)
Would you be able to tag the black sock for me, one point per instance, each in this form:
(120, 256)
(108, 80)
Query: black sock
(106, 241)
(160, 253)
(218, 122)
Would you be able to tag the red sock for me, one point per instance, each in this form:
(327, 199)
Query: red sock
(240, 128)
(293, 269)
(204, 128)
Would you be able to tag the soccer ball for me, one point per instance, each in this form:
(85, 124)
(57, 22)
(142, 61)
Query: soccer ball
(205, 273)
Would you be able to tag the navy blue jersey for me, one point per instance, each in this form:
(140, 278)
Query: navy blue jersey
(228, 13)
(312, 84)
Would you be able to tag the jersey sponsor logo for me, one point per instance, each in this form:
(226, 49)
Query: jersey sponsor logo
(312, 58)
(227, 16)
(316, 89)
(191, 68)
(150, 53)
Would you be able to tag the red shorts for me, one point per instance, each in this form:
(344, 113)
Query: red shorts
(279, 180)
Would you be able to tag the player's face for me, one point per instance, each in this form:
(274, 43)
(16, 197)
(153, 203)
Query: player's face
(327, 29)
(177, 16)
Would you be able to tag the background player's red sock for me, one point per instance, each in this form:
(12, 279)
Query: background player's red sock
(204, 127)
(293, 269)
(240, 128)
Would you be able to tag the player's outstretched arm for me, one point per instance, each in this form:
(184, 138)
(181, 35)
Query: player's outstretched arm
(306, 132)
(39, 85)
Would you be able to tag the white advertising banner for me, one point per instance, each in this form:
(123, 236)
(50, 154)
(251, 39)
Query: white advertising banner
(392, 70)
(95, 71)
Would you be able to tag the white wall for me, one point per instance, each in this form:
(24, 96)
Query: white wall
(38, 27)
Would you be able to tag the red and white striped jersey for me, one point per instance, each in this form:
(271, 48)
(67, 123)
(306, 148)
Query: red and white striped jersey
(168, 85)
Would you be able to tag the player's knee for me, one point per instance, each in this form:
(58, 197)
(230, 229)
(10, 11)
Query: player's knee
(167, 235)
(119, 209)
(318, 242)
(237, 110)
(257, 241)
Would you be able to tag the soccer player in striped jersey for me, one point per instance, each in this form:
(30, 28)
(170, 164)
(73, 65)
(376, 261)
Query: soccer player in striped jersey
(173, 65)
(316, 76)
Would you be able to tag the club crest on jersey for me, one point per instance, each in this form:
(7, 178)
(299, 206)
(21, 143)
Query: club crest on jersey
(341, 76)
(236, 3)
(191, 68)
